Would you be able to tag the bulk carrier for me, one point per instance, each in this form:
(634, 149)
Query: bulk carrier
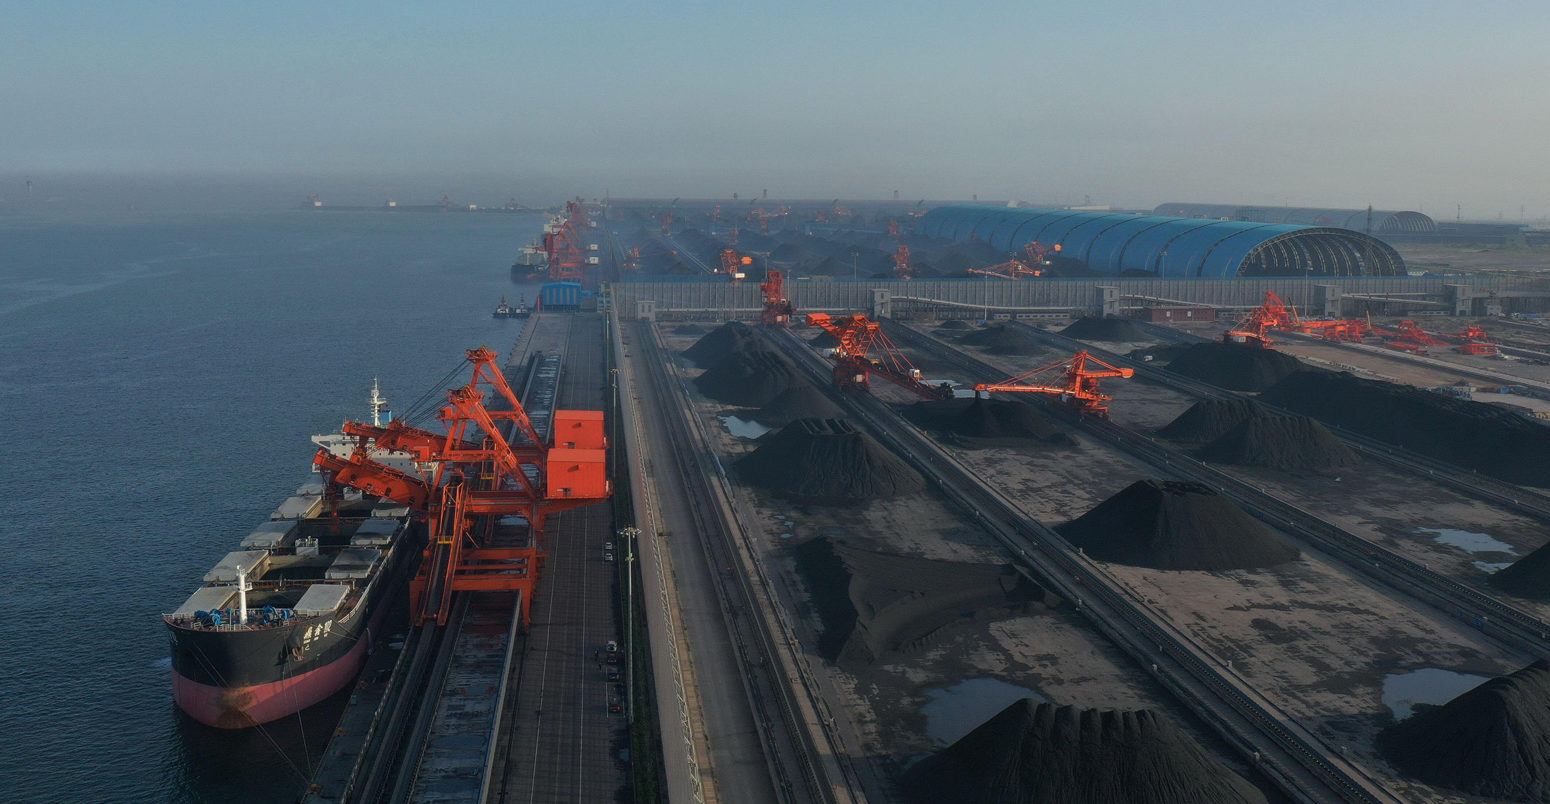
(288, 619)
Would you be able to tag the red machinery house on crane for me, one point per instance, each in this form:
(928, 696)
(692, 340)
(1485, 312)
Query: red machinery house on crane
(777, 308)
(479, 476)
(853, 363)
(1069, 381)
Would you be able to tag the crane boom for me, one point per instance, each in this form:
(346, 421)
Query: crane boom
(1071, 379)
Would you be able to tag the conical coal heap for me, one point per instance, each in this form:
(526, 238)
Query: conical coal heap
(1235, 367)
(1491, 741)
(1093, 328)
(798, 402)
(989, 420)
(1208, 419)
(827, 461)
(1041, 753)
(1170, 525)
(727, 339)
(749, 378)
(1527, 577)
(1288, 443)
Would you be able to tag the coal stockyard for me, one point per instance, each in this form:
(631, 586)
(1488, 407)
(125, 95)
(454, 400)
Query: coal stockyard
(906, 508)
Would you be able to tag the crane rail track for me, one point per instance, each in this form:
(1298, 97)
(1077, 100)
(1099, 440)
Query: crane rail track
(1283, 752)
(1510, 624)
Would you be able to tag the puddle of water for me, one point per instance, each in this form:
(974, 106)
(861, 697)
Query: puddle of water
(1489, 567)
(1468, 541)
(955, 711)
(744, 428)
(1429, 685)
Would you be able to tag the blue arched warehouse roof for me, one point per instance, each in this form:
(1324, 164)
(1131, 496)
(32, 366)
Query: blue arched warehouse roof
(1382, 221)
(1170, 247)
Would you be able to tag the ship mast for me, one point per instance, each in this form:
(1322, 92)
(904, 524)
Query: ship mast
(379, 405)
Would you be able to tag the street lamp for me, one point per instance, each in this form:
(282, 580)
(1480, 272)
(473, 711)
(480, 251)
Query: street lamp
(629, 535)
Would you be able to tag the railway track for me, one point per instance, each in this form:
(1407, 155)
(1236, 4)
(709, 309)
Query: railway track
(1509, 624)
(790, 750)
(1293, 759)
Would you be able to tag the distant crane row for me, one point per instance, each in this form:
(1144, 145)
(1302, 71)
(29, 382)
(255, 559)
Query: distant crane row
(1274, 314)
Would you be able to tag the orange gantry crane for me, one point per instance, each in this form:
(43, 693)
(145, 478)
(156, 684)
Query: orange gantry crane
(490, 463)
(1073, 381)
(854, 364)
(903, 266)
(562, 244)
(777, 308)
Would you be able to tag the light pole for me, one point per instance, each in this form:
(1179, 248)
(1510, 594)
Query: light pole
(629, 535)
(855, 273)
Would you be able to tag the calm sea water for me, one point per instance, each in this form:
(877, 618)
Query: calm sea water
(159, 379)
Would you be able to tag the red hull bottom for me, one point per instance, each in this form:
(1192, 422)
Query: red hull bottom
(243, 707)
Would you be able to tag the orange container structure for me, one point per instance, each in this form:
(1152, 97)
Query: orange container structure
(579, 429)
(576, 474)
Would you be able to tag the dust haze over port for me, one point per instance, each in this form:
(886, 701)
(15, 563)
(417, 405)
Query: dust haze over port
(1126, 104)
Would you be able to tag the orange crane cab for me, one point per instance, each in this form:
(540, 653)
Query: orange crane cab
(854, 364)
(1071, 381)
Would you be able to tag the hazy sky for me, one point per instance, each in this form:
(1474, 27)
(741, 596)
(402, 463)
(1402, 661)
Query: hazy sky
(1398, 104)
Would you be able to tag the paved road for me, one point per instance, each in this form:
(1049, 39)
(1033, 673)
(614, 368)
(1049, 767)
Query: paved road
(732, 763)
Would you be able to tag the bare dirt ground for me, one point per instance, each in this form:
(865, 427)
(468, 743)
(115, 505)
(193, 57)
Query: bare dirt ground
(1312, 635)
(1428, 256)
(1052, 652)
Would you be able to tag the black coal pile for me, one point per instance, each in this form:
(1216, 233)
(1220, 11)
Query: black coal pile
(1491, 741)
(798, 402)
(827, 462)
(873, 604)
(1093, 328)
(1289, 443)
(1042, 753)
(986, 419)
(953, 323)
(823, 340)
(1208, 419)
(1171, 525)
(1004, 340)
(749, 378)
(688, 329)
(1527, 577)
(1475, 435)
(1162, 354)
(1240, 368)
(733, 336)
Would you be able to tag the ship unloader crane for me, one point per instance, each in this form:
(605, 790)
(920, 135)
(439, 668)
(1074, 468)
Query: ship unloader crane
(479, 475)
(562, 244)
(1072, 381)
(853, 361)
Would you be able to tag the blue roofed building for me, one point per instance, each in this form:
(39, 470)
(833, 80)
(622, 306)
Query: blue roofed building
(1126, 244)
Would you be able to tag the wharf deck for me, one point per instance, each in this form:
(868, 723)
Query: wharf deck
(558, 741)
